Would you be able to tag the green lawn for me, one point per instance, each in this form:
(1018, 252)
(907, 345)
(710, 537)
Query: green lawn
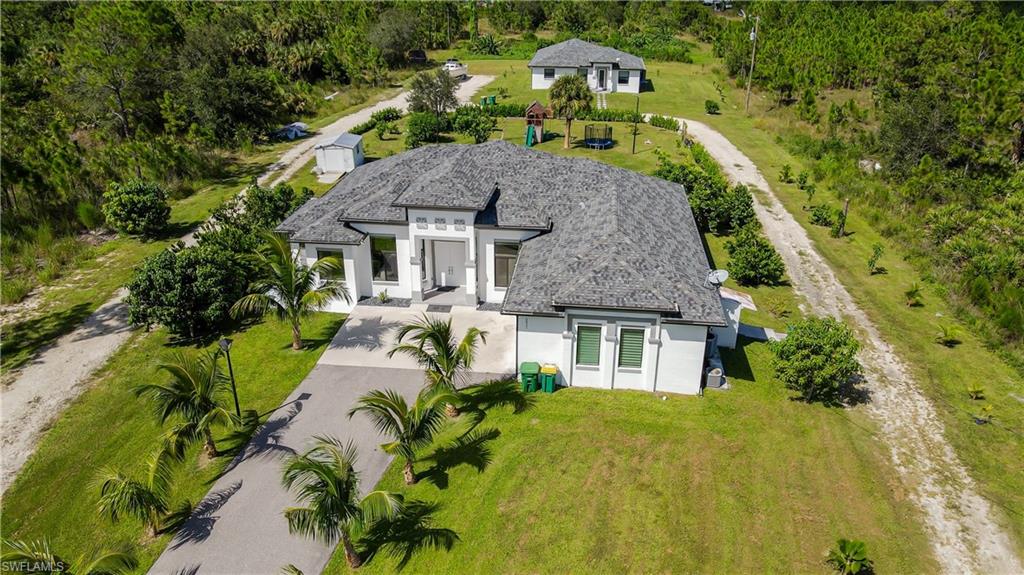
(108, 426)
(990, 452)
(737, 481)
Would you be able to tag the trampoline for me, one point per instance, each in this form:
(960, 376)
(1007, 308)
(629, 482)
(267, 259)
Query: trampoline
(598, 136)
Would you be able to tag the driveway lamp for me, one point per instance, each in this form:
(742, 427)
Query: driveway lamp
(225, 346)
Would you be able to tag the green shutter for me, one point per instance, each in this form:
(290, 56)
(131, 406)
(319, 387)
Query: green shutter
(588, 345)
(631, 348)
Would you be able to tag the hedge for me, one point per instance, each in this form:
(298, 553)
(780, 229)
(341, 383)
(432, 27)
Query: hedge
(664, 122)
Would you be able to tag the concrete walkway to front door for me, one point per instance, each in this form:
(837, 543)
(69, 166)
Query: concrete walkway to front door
(239, 526)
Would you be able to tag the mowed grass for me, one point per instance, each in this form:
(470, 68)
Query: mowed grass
(992, 453)
(737, 481)
(54, 496)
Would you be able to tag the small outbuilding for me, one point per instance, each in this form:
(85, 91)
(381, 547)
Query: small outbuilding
(340, 155)
(535, 115)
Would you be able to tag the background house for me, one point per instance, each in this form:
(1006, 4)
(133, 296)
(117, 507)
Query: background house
(606, 69)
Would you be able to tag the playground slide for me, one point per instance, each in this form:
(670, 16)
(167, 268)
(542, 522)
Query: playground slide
(531, 136)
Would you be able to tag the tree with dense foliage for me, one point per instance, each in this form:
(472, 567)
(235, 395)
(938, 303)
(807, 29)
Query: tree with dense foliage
(474, 122)
(145, 499)
(327, 484)
(30, 555)
(423, 128)
(433, 91)
(196, 393)
(136, 208)
(445, 358)
(570, 97)
(849, 557)
(753, 259)
(289, 287)
(410, 427)
(817, 359)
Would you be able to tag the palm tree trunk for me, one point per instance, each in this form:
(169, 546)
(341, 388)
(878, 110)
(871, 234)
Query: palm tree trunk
(353, 558)
(211, 447)
(568, 130)
(410, 473)
(296, 336)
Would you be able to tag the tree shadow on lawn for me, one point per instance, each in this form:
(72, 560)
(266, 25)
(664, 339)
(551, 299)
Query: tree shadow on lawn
(403, 536)
(32, 334)
(470, 449)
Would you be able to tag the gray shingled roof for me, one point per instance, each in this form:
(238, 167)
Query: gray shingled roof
(576, 53)
(613, 238)
(344, 140)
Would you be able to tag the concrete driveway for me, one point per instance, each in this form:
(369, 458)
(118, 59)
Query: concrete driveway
(239, 526)
(368, 335)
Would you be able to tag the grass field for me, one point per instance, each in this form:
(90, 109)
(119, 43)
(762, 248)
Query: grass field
(993, 452)
(53, 496)
(740, 481)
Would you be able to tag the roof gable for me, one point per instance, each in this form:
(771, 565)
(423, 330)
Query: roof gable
(576, 53)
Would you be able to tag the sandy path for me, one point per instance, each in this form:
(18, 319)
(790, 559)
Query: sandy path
(56, 375)
(963, 533)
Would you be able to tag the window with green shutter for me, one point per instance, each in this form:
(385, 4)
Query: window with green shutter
(588, 345)
(631, 348)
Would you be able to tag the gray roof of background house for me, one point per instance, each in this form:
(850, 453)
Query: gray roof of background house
(576, 53)
(611, 238)
(345, 140)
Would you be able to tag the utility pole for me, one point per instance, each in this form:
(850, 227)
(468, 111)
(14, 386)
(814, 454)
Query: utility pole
(753, 53)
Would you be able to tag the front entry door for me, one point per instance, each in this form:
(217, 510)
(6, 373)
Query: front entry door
(449, 264)
(600, 78)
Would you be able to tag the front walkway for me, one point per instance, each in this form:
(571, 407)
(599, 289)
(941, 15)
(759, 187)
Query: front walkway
(239, 526)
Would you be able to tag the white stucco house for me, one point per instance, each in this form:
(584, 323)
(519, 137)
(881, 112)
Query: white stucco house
(606, 69)
(339, 155)
(603, 268)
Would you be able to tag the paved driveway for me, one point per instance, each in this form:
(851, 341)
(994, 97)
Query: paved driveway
(239, 526)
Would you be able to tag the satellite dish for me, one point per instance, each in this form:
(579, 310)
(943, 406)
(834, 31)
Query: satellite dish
(716, 277)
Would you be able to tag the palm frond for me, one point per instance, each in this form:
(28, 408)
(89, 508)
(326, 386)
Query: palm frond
(381, 505)
(106, 563)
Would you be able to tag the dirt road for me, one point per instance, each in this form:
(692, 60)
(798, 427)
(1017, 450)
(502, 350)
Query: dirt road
(963, 533)
(57, 374)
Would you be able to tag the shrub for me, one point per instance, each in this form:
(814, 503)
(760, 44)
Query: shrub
(136, 207)
(975, 391)
(389, 114)
(187, 290)
(807, 108)
(876, 254)
(849, 557)
(786, 175)
(817, 359)
(753, 260)
(14, 289)
(810, 189)
(506, 110)
(423, 127)
(824, 215)
(360, 129)
(664, 122)
(610, 115)
(89, 215)
(267, 207)
(913, 295)
(486, 44)
(385, 128)
(711, 107)
(472, 121)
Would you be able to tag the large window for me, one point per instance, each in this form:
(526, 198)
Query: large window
(505, 256)
(549, 73)
(337, 275)
(623, 76)
(581, 72)
(631, 348)
(588, 345)
(384, 252)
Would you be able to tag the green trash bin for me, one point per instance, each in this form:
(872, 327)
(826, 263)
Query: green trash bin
(548, 377)
(490, 100)
(528, 371)
(483, 101)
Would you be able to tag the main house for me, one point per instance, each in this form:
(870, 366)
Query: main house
(603, 267)
(606, 69)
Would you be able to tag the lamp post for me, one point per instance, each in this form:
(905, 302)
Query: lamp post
(225, 346)
(635, 119)
(753, 53)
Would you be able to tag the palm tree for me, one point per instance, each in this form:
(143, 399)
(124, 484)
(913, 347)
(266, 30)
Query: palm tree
(145, 500)
(411, 427)
(570, 96)
(38, 553)
(196, 392)
(432, 344)
(289, 286)
(328, 484)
